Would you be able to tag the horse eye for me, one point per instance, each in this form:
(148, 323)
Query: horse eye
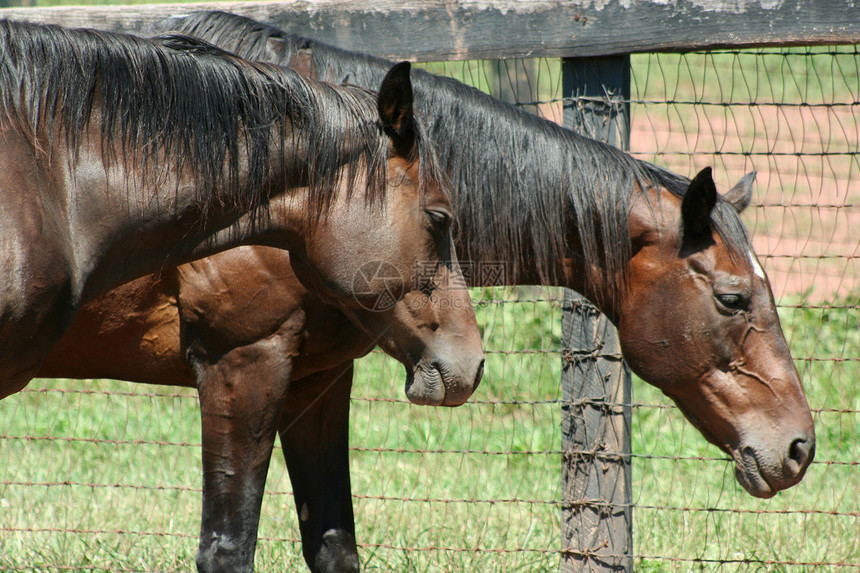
(733, 302)
(441, 220)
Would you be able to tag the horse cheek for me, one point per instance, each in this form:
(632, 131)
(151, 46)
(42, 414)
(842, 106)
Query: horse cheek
(645, 343)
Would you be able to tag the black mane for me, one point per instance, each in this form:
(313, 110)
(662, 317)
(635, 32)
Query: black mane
(180, 101)
(520, 183)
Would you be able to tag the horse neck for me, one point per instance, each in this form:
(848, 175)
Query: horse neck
(521, 183)
(125, 223)
(529, 256)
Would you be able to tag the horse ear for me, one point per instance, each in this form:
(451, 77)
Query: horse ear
(394, 104)
(696, 209)
(741, 194)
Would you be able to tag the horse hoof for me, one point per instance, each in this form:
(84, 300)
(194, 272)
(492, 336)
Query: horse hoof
(338, 553)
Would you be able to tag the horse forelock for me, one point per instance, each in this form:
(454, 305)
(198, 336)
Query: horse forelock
(728, 225)
(183, 102)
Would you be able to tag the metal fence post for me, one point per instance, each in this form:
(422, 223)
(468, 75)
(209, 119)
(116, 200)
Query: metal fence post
(597, 516)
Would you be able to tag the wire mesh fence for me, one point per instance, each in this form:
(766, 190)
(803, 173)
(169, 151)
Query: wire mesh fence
(790, 115)
(105, 476)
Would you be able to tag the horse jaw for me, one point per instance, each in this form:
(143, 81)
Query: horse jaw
(762, 469)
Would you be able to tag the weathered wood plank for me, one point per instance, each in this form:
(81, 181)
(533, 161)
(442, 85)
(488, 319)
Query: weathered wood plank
(460, 29)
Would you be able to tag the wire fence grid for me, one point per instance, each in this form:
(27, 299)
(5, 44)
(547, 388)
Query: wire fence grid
(105, 476)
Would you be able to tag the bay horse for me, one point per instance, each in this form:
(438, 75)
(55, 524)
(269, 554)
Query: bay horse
(665, 257)
(121, 156)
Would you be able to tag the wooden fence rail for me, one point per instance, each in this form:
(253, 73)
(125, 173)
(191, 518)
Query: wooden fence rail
(436, 30)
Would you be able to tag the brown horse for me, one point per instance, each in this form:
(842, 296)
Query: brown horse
(121, 156)
(665, 257)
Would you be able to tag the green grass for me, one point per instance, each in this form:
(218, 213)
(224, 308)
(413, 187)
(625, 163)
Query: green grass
(466, 489)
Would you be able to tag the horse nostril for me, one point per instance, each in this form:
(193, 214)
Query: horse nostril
(801, 451)
(478, 375)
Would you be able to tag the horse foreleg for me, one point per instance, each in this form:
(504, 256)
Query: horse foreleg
(314, 431)
(241, 396)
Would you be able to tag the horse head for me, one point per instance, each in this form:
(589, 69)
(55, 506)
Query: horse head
(699, 321)
(390, 265)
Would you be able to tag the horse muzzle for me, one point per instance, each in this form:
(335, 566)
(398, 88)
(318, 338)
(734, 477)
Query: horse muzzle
(434, 383)
(768, 457)
(763, 472)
